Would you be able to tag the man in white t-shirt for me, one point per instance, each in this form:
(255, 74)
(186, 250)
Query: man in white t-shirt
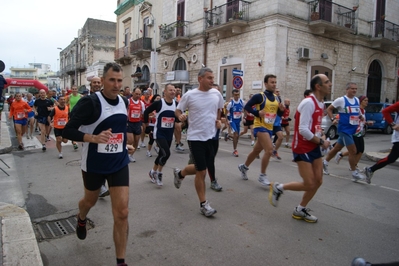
(203, 105)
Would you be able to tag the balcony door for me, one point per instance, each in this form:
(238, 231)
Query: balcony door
(180, 16)
(374, 82)
(233, 6)
(379, 18)
(226, 80)
(325, 10)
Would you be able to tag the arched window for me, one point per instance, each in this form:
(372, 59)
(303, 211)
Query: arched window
(146, 73)
(180, 64)
(374, 82)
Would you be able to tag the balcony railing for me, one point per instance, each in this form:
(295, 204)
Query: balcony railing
(23, 76)
(234, 10)
(384, 29)
(327, 11)
(123, 52)
(179, 28)
(140, 45)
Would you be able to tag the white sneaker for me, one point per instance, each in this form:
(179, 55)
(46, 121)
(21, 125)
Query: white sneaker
(338, 157)
(142, 145)
(179, 148)
(356, 176)
(149, 154)
(252, 143)
(263, 180)
(60, 156)
(131, 158)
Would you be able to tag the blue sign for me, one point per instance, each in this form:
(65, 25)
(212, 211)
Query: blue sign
(238, 73)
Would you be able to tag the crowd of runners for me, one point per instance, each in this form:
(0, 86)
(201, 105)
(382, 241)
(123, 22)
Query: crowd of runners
(109, 123)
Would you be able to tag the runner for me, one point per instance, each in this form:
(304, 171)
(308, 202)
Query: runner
(267, 108)
(135, 111)
(150, 128)
(306, 149)
(248, 123)
(277, 131)
(163, 130)
(58, 118)
(19, 110)
(147, 102)
(285, 122)
(235, 109)
(31, 117)
(42, 108)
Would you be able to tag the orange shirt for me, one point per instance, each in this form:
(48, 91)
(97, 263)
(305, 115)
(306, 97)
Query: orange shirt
(19, 109)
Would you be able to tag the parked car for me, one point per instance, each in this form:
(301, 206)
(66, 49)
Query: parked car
(373, 113)
(327, 126)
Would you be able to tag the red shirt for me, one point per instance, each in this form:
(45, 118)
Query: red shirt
(135, 111)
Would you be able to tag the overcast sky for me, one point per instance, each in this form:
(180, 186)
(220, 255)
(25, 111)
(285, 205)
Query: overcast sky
(31, 30)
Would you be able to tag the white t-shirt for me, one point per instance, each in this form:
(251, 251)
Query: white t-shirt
(339, 103)
(202, 113)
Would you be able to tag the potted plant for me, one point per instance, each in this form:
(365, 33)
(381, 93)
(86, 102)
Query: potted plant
(354, 8)
(238, 15)
(315, 15)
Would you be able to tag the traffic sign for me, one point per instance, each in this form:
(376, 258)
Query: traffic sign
(237, 82)
(237, 72)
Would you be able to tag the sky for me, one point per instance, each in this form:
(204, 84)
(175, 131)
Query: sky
(32, 30)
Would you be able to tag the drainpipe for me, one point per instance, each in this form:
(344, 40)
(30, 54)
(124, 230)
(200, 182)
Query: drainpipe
(206, 37)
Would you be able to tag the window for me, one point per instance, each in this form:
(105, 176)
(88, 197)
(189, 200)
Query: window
(126, 42)
(180, 64)
(145, 27)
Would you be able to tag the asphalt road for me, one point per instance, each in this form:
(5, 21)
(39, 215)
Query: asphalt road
(166, 228)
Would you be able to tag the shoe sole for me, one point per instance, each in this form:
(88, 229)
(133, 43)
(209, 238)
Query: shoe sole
(243, 176)
(104, 194)
(271, 195)
(217, 190)
(209, 215)
(302, 218)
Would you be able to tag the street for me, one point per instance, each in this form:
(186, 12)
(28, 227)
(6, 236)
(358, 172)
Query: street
(166, 227)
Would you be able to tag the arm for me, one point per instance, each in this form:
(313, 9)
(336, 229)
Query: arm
(256, 99)
(155, 106)
(386, 112)
(330, 114)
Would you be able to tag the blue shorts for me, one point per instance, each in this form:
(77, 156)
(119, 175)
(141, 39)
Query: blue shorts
(345, 139)
(22, 122)
(235, 126)
(42, 120)
(31, 114)
(308, 157)
(261, 130)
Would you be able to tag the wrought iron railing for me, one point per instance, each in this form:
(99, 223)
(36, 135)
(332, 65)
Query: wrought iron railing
(122, 52)
(143, 43)
(179, 28)
(384, 29)
(331, 12)
(237, 9)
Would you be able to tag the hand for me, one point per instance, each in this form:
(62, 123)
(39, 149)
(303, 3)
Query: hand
(182, 117)
(103, 137)
(326, 144)
(218, 124)
(396, 127)
(281, 106)
(130, 149)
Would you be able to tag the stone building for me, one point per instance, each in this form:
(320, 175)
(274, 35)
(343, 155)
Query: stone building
(87, 54)
(293, 39)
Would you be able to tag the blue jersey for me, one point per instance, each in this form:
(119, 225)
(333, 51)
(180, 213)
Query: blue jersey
(349, 117)
(236, 109)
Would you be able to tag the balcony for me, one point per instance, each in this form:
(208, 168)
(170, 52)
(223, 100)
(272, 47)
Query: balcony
(330, 19)
(82, 66)
(228, 19)
(384, 34)
(177, 77)
(141, 47)
(70, 69)
(122, 55)
(175, 34)
(125, 5)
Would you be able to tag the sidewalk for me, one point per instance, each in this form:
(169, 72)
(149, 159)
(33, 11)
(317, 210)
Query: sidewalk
(18, 244)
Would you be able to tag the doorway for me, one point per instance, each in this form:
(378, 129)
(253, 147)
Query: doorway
(226, 78)
(374, 82)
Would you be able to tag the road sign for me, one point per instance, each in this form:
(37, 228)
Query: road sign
(238, 73)
(237, 82)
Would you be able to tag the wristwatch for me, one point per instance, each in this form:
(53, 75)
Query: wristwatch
(321, 142)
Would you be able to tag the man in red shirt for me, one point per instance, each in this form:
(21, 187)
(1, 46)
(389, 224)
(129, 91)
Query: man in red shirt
(306, 149)
(135, 113)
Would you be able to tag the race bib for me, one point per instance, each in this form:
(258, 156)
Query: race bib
(20, 115)
(237, 115)
(113, 146)
(318, 131)
(61, 122)
(354, 120)
(167, 122)
(135, 114)
(269, 118)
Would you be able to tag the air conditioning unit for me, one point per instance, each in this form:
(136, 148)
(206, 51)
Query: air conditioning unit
(150, 22)
(303, 53)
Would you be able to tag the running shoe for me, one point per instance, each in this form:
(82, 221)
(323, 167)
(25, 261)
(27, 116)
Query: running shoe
(138, 147)
(207, 210)
(275, 155)
(142, 145)
(252, 143)
(149, 153)
(356, 176)
(75, 146)
(215, 186)
(36, 130)
(31, 137)
(338, 157)
(243, 169)
(153, 176)
(20, 147)
(360, 262)
(81, 228)
(235, 153)
(159, 179)
(263, 180)
(177, 180)
(304, 215)
(181, 144)
(60, 156)
(369, 174)
(27, 136)
(325, 168)
(131, 158)
(48, 138)
(44, 147)
(103, 192)
(226, 136)
(274, 194)
(287, 145)
(179, 148)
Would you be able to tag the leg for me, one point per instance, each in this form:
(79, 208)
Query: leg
(18, 131)
(392, 157)
(58, 143)
(43, 133)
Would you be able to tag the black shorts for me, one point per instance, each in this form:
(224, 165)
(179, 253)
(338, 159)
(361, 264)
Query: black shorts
(202, 153)
(42, 120)
(134, 127)
(248, 123)
(284, 125)
(94, 181)
(58, 132)
(359, 143)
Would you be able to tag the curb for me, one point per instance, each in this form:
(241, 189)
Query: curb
(5, 141)
(19, 245)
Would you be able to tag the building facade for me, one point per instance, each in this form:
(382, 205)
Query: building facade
(87, 54)
(346, 40)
